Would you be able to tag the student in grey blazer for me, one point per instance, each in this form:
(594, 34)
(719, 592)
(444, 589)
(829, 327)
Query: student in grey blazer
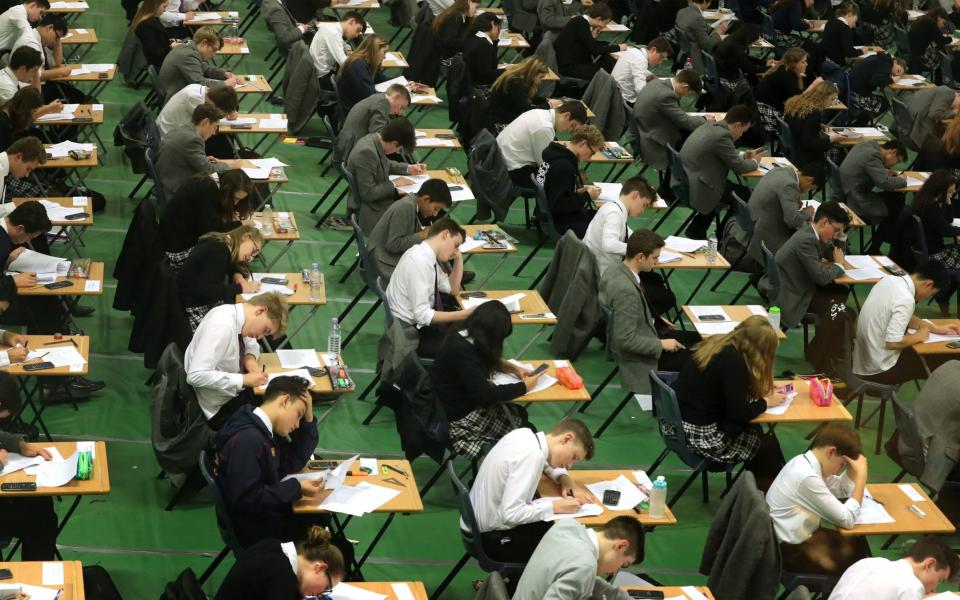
(937, 412)
(808, 264)
(524, 17)
(928, 108)
(371, 115)
(183, 152)
(404, 224)
(775, 206)
(371, 169)
(867, 167)
(661, 120)
(702, 36)
(189, 63)
(554, 14)
(708, 155)
(570, 559)
(281, 22)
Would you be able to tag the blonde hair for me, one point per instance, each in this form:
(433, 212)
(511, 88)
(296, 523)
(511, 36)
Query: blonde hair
(589, 134)
(368, 50)
(813, 99)
(277, 309)
(209, 35)
(527, 70)
(233, 239)
(951, 137)
(756, 341)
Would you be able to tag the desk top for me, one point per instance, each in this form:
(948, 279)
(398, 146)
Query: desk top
(37, 341)
(87, 76)
(737, 313)
(239, 163)
(675, 591)
(394, 60)
(695, 261)
(516, 41)
(896, 502)
(78, 287)
(213, 22)
(846, 280)
(270, 362)
(97, 485)
(408, 501)
(70, 9)
(385, 588)
(841, 135)
(83, 111)
(803, 410)
(289, 235)
(556, 392)
(233, 49)
(532, 302)
(816, 25)
(937, 347)
(260, 85)
(768, 161)
(66, 202)
(451, 136)
(69, 163)
(472, 231)
(301, 291)
(31, 573)
(921, 175)
(548, 488)
(419, 97)
(79, 36)
(254, 127)
(600, 157)
(900, 84)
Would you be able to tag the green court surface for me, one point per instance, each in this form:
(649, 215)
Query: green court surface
(144, 546)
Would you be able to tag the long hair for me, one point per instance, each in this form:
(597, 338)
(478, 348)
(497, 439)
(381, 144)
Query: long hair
(951, 137)
(231, 182)
(791, 58)
(147, 10)
(527, 71)
(368, 50)
(21, 107)
(934, 190)
(813, 99)
(744, 35)
(488, 326)
(458, 8)
(233, 239)
(756, 341)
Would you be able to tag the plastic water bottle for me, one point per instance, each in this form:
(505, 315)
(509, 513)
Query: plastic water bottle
(316, 287)
(688, 64)
(773, 315)
(723, 5)
(233, 35)
(504, 28)
(658, 498)
(267, 220)
(712, 249)
(333, 338)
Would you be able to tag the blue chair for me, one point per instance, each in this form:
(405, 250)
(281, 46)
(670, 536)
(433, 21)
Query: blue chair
(371, 280)
(545, 227)
(224, 523)
(353, 205)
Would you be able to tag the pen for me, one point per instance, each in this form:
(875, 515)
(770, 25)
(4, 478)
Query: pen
(393, 468)
(61, 342)
(535, 316)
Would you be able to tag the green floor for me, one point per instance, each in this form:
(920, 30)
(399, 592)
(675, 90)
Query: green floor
(143, 546)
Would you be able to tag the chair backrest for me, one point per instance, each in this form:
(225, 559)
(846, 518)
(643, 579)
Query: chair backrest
(767, 29)
(902, 122)
(683, 41)
(946, 69)
(150, 157)
(544, 218)
(158, 92)
(667, 410)
(919, 245)
(633, 127)
(786, 138)
(469, 531)
(743, 214)
(224, 523)
(606, 313)
(773, 271)
(710, 69)
(381, 292)
(153, 135)
(353, 204)
(678, 174)
(368, 267)
(836, 186)
(902, 40)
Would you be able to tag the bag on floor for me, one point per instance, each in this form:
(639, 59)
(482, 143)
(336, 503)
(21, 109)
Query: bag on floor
(98, 585)
(98, 202)
(186, 587)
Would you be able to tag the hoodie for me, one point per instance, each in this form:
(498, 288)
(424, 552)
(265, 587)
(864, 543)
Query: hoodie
(560, 178)
(250, 465)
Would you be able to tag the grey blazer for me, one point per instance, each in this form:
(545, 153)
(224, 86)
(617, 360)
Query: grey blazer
(554, 14)
(775, 211)
(801, 272)
(524, 17)
(708, 154)
(700, 34)
(861, 172)
(371, 169)
(937, 413)
(661, 121)
(396, 231)
(564, 567)
(183, 66)
(928, 108)
(370, 115)
(635, 338)
(281, 23)
(182, 155)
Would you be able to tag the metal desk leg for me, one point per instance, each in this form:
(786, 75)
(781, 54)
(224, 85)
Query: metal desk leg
(303, 323)
(376, 540)
(699, 285)
(532, 341)
(269, 265)
(496, 267)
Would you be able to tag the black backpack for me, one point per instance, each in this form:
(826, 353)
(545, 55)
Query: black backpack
(98, 585)
(186, 587)
(131, 134)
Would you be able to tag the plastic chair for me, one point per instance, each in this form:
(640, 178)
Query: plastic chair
(334, 156)
(902, 40)
(159, 97)
(353, 205)
(680, 185)
(773, 272)
(786, 139)
(371, 280)
(746, 225)
(546, 230)
(919, 246)
(711, 75)
(150, 158)
(946, 70)
(224, 524)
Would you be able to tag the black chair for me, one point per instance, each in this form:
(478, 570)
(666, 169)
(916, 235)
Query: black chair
(150, 158)
(545, 228)
(786, 139)
(680, 185)
(353, 205)
(902, 40)
(371, 280)
(711, 75)
(902, 123)
(746, 225)
(224, 524)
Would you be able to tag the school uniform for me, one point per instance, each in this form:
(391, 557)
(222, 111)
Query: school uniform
(369, 115)
(607, 234)
(13, 22)
(193, 211)
(702, 36)
(31, 519)
(511, 101)
(206, 280)
(523, 141)
(775, 209)
(883, 318)
(414, 295)
(182, 155)
(879, 578)
(9, 84)
(576, 50)
(356, 83)
(371, 168)
(395, 233)
(631, 73)
(806, 281)
(183, 66)
(266, 570)
(838, 41)
(328, 48)
(570, 206)
(480, 56)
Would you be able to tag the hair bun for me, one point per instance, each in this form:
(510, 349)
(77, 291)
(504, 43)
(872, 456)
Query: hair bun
(319, 536)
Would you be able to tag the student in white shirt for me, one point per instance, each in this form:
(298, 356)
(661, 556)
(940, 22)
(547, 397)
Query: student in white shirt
(220, 374)
(17, 19)
(928, 563)
(882, 352)
(511, 523)
(608, 230)
(46, 36)
(808, 489)
(632, 70)
(522, 141)
(177, 11)
(23, 70)
(328, 48)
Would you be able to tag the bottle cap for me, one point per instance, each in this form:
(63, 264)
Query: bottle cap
(334, 321)
(661, 478)
(775, 309)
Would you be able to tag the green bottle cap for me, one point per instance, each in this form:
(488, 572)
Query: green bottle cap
(775, 309)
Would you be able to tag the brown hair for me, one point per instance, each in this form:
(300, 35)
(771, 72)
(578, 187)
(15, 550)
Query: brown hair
(22, 106)
(368, 50)
(223, 97)
(458, 8)
(206, 111)
(756, 341)
(30, 149)
(148, 9)
(446, 224)
(231, 182)
(790, 59)
(951, 137)
(842, 436)
(643, 241)
(589, 134)
(209, 35)
(813, 99)
(233, 239)
(579, 431)
(277, 310)
(935, 548)
(527, 70)
(630, 530)
(318, 547)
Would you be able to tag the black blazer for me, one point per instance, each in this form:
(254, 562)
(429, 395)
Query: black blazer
(575, 45)
(871, 74)
(778, 87)
(838, 42)
(507, 104)
(810, 143)
(262, 573)
(356, 83)
(922, 34)
(717, 395)
(193, 211)
(937, 224)
(481, 58)
(451, 35)
(207, 275)
(734, 58)
(155, 41)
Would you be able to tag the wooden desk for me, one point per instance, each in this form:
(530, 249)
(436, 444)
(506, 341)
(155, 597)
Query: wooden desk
(77, 287)
(694, 261)
(548, 488)
(72, 231)
(394, 60)
(444, 175)
(898, 505)
(770, 162)
(83, 111)
(270, 362)
(675, 591)
(260, 85)
(359, 6)
(37, 341)
(737, 313)
(240, 49)
(97, 485)
(79, 37)
(936, 349)
(845, 279)
(88, 76)
(922, 176)
(419, 97)
(841, 135)
(816, 25)
(31, 573)
(301, 291)
(385, 588)
(408, 501)
(516, 41)
(531, 303)
(556, 392)
(70, 163)
(900, 85)
(240, 163)
(873, 49)
(472, 230)
(803, 410)
(68, 8)
(221, 15)
(715, 14)
(433, 133)
(600, 157)
(291, 235)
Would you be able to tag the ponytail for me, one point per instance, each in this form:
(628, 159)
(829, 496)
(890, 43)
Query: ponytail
(318, 547)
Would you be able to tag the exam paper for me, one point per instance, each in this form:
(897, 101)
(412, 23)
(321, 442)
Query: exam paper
(683, 244)
(464, 193)
(693, 593)
(608, 191)
(425, 99)
(425, 141)
(273, 123)
(703, 311)
(62, 356)
(860, 261)
(30, 261)
(52, 573)
(57, 212)
(911, 492)
(383, 85)
(293, 373)
(630, 495)
(17, 462)
(35, 592)
(863, 274)
(57, 473)
(872, 512)
(239, 121)
(392, 56)
(294, 359)
(471, 244)
(359, 499)
(345, 591)
(586, 510)
(402, 591)
(715, 328)
(545, 381)
(643, 479)
(257, 172)
(668, 257)
(206, 16)
(512, 302)
(757, 310)
(936, 337)
(338, 475)
(913, 181)
(782, 408)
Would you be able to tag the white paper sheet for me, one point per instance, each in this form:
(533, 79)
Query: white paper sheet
(383, 85)
(643, 479)
(936, 337)
(683, 244)
(432, 141)
(392, 56)
(292, 373)
(782, 408)
(273, 124)
(545, 381)
(294, 359)
(239, 121)
(57, 212)
(872, 512)
(911, 492)
(668, 257)
(471, 244)
(402, 591)
(885, 261)
(35, 592)
(269, 163)
(913, 181)
(257, 173)
(715, 328)
(91, 285)
(512, 302)
(860, 261)
(757, 310)
(63, 356)
(586, 510)
(702, 311)
(863, 274)
(57, 473)
(17, 462)
(464, 193)
(425, 99)
(360, 499)
(34, 262)
(345, 591)
(339, 474)
(630, 495)
(52, 573)
(693, 593)
(815, 204)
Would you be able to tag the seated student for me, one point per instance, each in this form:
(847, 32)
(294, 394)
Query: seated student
(153, 35)
(708, 155)
(868, 166)
(928, 109)
(477, 409)
(927, 40)
(23, 70)
(608, 232)
(18, 113)
(183, 152)
(19, 18)
(571, 560)
(522, 141)
(328, 47)
(735, 65)
(46, 36)
(632, 71)
(190, 63)
(869, 79)
(804, 115)
(450, 26)
(217, 269)
(515, 92)
(221, 371)
(510, 523)
(404, 224)
(937, 413)
(838, 41)
(360, 71)
(700, 34)
(578, 48)
(371, 168)
(371, 115)
(788, 22)
(178, 111)
(926, 564)
(570, 201)
(776, 206)
(807, 490)
(176, 12)
(932, 204)
(256, 448)
(264, 570)
(883, 352)
(480, 50)
(554, 14)
(784, 80)
(18, 161)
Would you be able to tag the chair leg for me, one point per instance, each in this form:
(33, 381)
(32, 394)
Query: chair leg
(613, 415)
(705, 487)
(599, 388)
(656, 463)
(373, 413)
(370, 387)
(743, 290)
(449, 578)
(536, 281)
(435, 477)
(883, 411)
(360, 324)
(899, 476)
(683, 488)
(889, 542)
(213, 566)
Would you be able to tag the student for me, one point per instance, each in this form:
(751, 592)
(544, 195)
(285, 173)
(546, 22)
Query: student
(219, 372)
(19, 18)
(328, 48)
(570, 201)
(926, 564)
(522, 141)
(807, 491)
(18, 113)
(23, 70)
(360, 71)
(776, 206)
(788, 22)
(177, 11)
(515, 92)
(700, 34)
(255, 449)
(932, 204)
(554, 14)
(784, 80)
(868, 167)
(608, 232)
(183, 152)
(217, 269)
(804, 115)
(708, 155)
(928, 109)
(632, 71)
(936, 410)
(927, 40)
(287, 29)
(46, 36)
(870, 76)
(511, 524)
(371, 168)
(480, 50)
(577, 46)
(404, 224)
(200, 206)
(662, 121)
(735, 66)
(275, 570)
(450, 26)
(190, 63)
(479, 410)
(178, 111)
(18, 161)
(838, 41)
(570, 560)
(371, 115)
(153, 35)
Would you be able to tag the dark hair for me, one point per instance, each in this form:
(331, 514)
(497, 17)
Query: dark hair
(840, 435)
(575, 109)
(935, 548)
(437, 190)
(459, 9)
(691, 78)
(937, 13)
(295, 387)
(483, 22)
(352, 14)
(638, 184)
(25, 57)
(205, 111)
(629, 529)
(59, 25)
(743, 34)
(934, 271)
(643, 241)
(833, 212)
(21, 106)
(815, 170)
(40, 3)
(896, 145)
(740, 113)
(10, 390)
(488, 326)
(661, 45)
(231, 182)
(600, 10)
(32, 216)
(400, 130)
(223, 97)
(29, 148)
(933, 190)
(446, 224)
(319, 547)
(580, 431)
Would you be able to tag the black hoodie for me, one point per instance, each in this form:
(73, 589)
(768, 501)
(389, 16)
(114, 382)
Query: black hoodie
(251, 464)
(263, 572)
(561, 180)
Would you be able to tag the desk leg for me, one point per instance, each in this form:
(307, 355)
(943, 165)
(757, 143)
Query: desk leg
(286, 343)
(923, 361)
(269, 265)
(70, 511)
(257, 103)
(532, 341)
(376, 540)
(496, 267)
(699, 285)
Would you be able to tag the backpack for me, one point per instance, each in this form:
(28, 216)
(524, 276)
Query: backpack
(131, 134)
(185, 587)
(98, 585)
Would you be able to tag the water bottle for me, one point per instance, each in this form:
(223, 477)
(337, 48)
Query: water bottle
(773, 315)
(723, 5)
(233, 35)
(711, 249)
(658, 498)
(267, 220)
(688, 64)
(333, 339)
(316, 289)
(504, 28)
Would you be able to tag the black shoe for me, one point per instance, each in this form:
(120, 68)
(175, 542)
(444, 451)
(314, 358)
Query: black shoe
(276, 101)
(84, 385)
(78, 310)
(468, 276)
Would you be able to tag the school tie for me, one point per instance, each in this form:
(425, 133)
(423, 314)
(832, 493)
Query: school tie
(242, 351)
(437, 302)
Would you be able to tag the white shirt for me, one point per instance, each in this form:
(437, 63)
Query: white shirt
(413, 284)
(4, 171)
(178, 111)
(289, 550)
(171, 15)
(438, 6)
(800, 497)
(9, 85)
(31, 39)
(212, 359)
(883, 318)
(502, 494)
(13, 22)
(481, 34)
(258, 412)
(328, 48)
(607, 234)
(4, 357)
(631, 73)
(878, 579)
(522, 141)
